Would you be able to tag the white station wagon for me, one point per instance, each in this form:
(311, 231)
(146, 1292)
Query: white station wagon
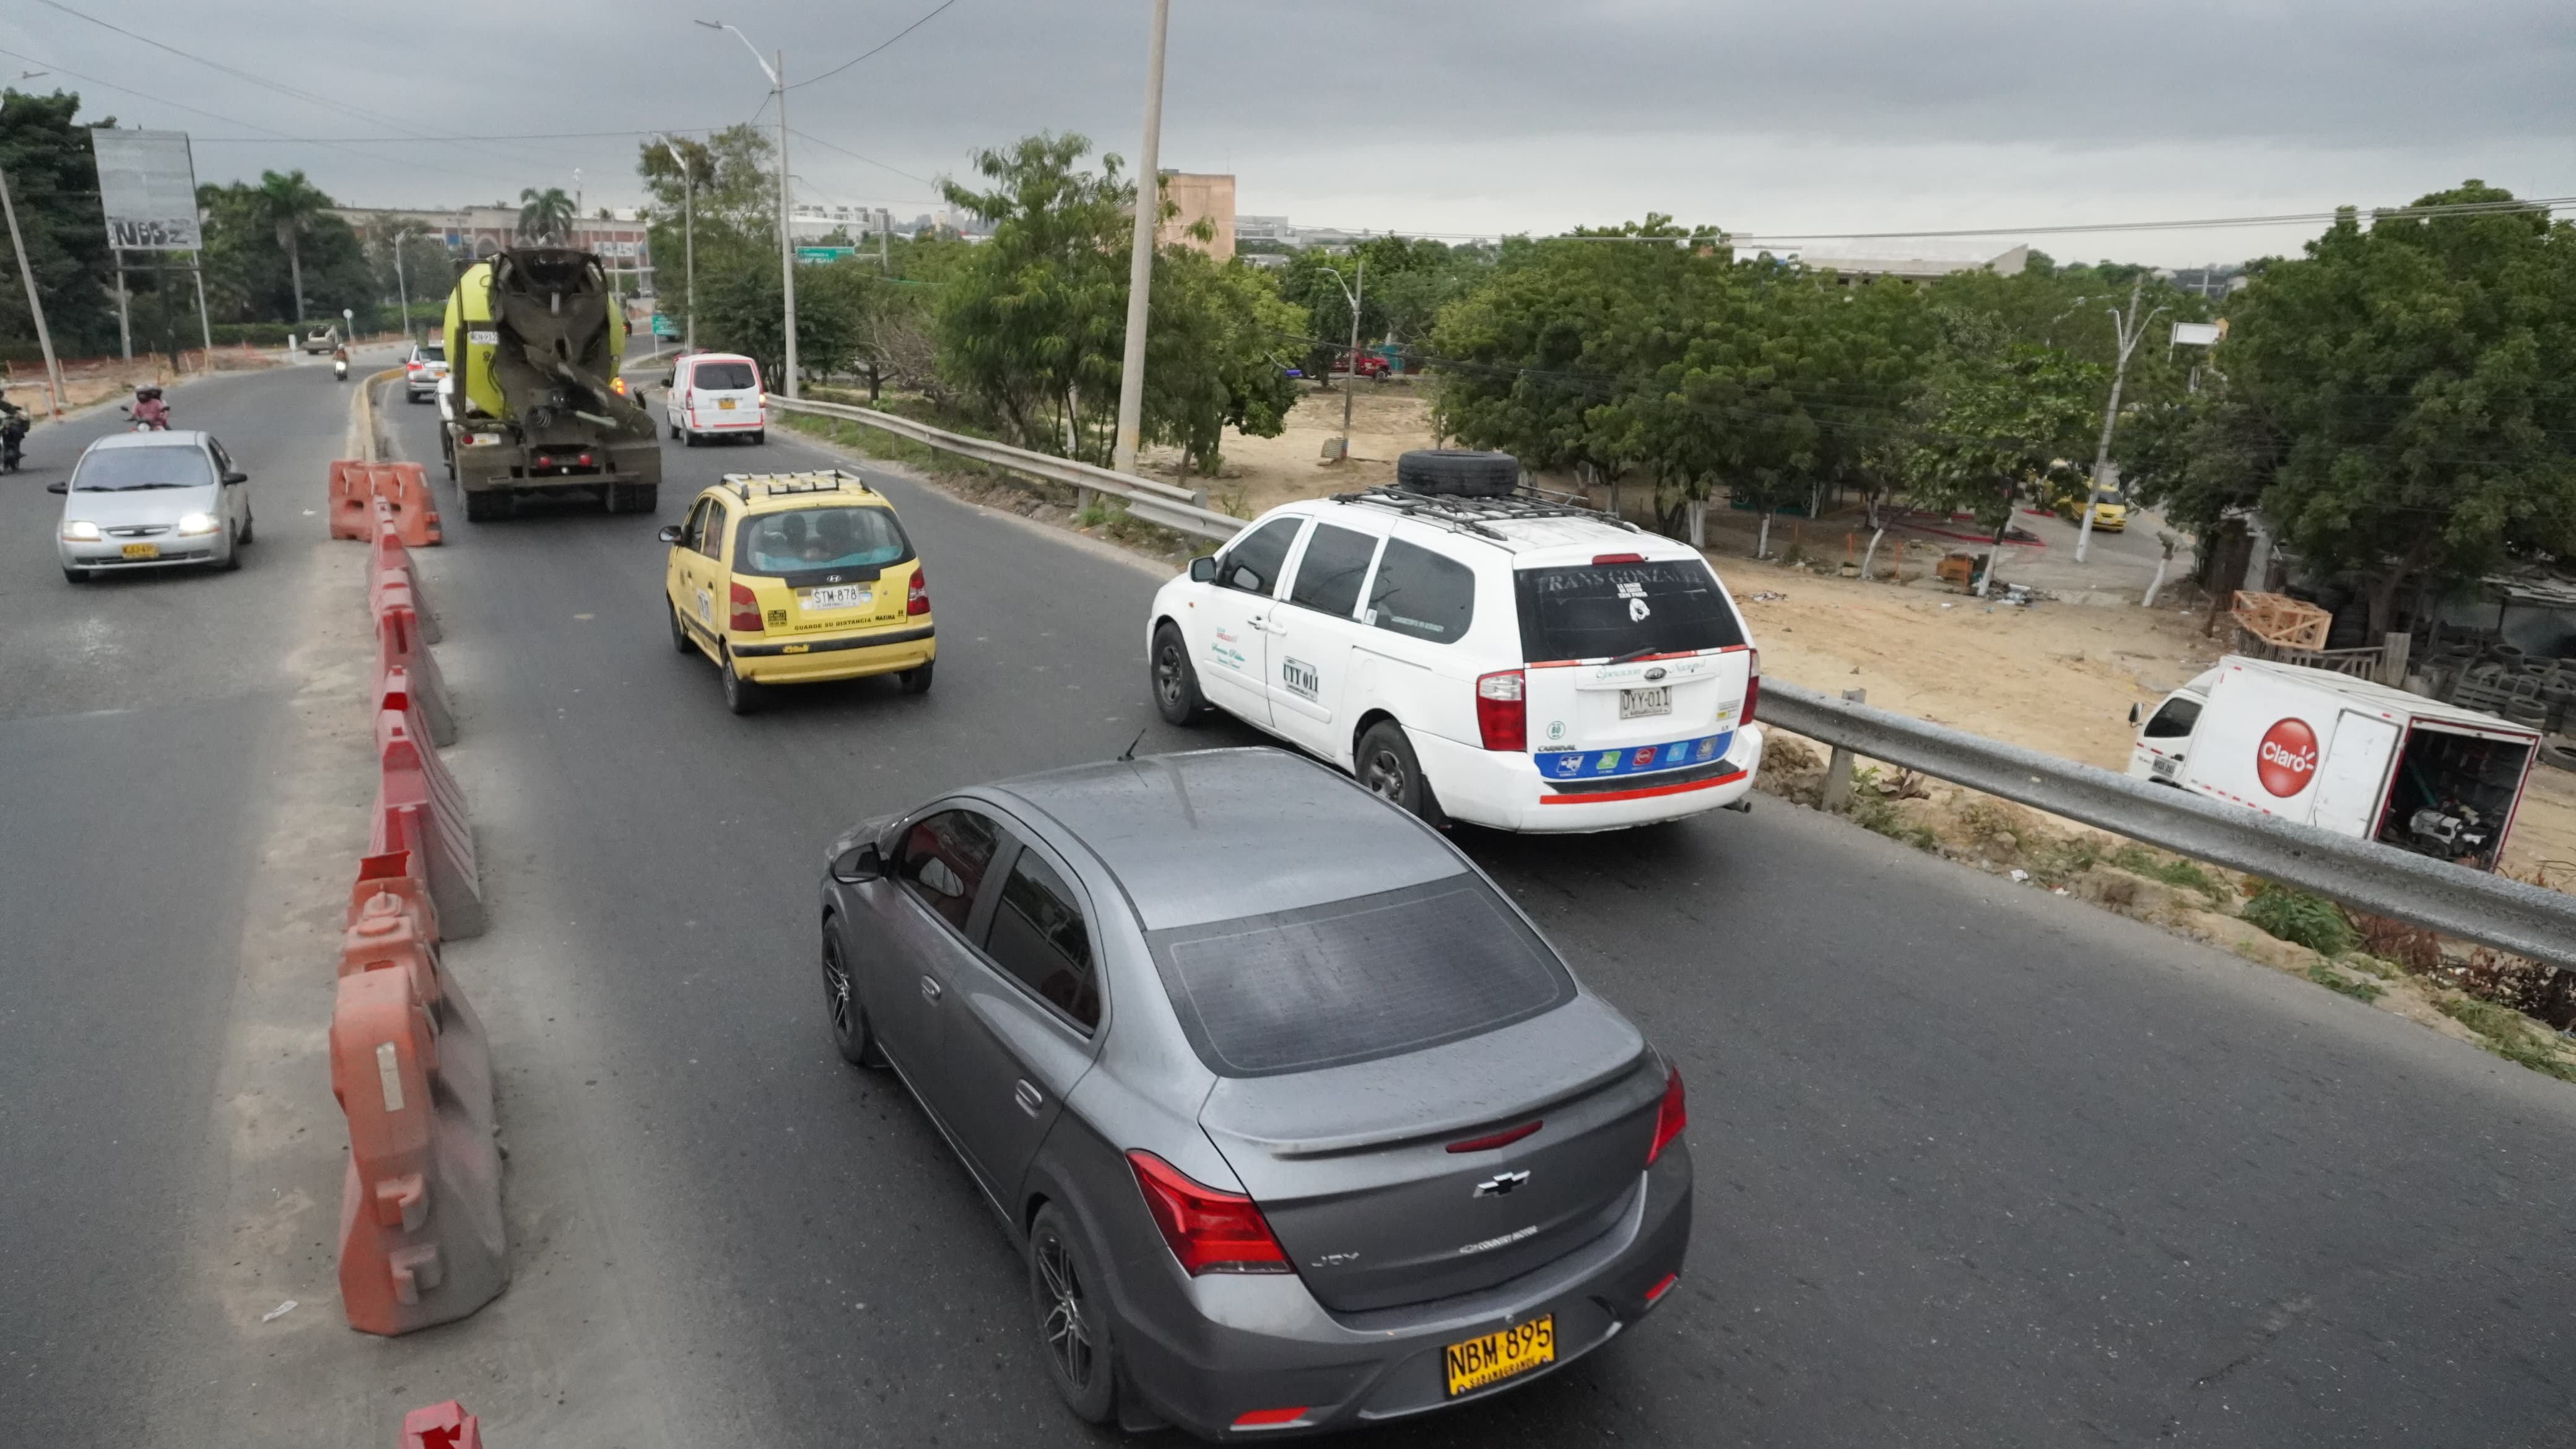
(1508, 661)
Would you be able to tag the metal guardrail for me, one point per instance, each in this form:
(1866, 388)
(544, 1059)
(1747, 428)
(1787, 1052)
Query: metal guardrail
(2491, 909)
(1172, 507)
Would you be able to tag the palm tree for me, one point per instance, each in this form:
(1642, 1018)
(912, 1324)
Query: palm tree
(290, 203)
(545, 216)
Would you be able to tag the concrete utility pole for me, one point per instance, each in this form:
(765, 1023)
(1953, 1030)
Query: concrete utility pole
(2126, 331)
(1351, 384)
(777, 74)
(35, 304)
(402, 288)
(1140, 265)
(688, 244)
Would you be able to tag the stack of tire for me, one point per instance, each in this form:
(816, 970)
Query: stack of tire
(1457, 472)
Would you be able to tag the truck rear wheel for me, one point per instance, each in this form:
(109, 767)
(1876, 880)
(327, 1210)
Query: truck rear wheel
(481, 507)
(631, 497)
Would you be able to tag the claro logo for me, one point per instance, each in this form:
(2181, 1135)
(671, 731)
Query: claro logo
(2287, 758)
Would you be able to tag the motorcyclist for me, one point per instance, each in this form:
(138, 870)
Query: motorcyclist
(13, 431)
(340, 362)
(149, 410)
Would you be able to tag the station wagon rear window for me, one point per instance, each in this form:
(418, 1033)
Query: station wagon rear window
(806, 539)
(722, 376)
(1354, 980)
(1625, 610)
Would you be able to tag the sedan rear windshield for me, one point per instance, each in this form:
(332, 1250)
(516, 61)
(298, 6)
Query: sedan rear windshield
(113, 470)
(1372, 976)
(1624, 610)
(722, 376)
(808, 539)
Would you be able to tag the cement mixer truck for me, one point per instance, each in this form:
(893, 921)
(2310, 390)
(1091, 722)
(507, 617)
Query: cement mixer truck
(533, 341)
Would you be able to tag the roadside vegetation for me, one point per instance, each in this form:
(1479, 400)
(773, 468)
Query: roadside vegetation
(2519, 1009)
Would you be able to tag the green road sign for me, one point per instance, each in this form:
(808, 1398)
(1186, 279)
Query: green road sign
(815, 256)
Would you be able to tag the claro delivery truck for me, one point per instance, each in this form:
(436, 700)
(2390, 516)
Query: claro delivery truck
(2342, 754)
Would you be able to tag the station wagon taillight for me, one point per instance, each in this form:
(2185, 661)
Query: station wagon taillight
(1208, 1230)
(1670, 1117)
(1752, 686)
(1502, 718)
(916, 600)
(746, 610)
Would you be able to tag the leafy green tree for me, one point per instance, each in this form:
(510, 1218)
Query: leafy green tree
(53, 180)
(273, 251)
(545, 216)
(743, 310)
(2400, 402)
(1031, 328)
(1216, 353)
(730, 187)
(1407, 282)
(1995, 420)
(289, 206)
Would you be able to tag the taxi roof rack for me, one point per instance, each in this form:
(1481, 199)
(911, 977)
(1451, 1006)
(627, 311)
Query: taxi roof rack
(780, 485)
(1472, 513)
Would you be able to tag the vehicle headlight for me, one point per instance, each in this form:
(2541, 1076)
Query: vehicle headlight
(196, 523)
(80, 532)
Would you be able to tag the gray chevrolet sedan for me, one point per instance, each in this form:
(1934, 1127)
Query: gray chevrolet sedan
(1299, 1121)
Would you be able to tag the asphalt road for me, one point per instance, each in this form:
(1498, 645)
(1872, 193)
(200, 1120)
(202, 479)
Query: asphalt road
(136, 715)
(1977, 1166)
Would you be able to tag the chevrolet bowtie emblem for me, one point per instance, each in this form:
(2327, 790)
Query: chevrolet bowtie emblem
(1501, 1184)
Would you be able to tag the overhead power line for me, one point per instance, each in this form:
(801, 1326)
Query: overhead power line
(898, 35)
(855, 156)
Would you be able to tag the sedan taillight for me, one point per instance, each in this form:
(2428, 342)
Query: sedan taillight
(1502, 718)
(1670, 1117)
(1208, 1230)
(746, 610)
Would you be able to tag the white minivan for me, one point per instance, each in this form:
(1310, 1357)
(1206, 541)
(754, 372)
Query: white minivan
(1516, 663)
(715, 394)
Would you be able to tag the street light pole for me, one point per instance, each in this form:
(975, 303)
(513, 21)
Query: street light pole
(777, 74)
(1140, 262)
(2126, 331)
(688, 243)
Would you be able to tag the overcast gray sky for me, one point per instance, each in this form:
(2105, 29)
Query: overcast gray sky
(1419, 115)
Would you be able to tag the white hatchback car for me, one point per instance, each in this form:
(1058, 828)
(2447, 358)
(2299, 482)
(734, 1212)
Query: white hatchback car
(713, 394)
(152, 500)
(1516, 663)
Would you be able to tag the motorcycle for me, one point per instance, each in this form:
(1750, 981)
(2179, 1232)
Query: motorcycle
(339, 369)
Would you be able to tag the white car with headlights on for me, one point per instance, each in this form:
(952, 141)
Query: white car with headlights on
(152, 501)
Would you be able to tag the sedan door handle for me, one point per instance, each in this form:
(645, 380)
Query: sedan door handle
(1029, 1098)
(930, 990)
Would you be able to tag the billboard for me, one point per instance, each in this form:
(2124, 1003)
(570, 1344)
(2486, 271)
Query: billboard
(148, 186)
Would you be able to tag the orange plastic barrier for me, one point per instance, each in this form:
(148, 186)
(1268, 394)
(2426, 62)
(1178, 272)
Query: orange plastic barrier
(419, 808)
(421, 1234)
(352, 493)
(404, 489)
(395, 872)
(391, 555)
(400, 648)
(391, 931)
(441, 1426)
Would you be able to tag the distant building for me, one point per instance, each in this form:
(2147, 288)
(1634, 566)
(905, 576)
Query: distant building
(1264, 229)
(2212, 281)
(1199, 196)
(474, 232)
(1913, 271)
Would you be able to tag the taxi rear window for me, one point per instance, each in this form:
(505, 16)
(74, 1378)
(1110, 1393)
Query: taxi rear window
(804, 540)
(1622, 610)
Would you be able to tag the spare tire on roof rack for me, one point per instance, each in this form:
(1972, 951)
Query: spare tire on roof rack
(1458, 472)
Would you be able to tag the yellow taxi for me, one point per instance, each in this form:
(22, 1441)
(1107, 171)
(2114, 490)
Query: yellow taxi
(789, 578)
(2110, 510)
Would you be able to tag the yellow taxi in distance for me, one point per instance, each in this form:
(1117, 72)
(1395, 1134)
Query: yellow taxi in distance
(789, 578)
(2110, 511)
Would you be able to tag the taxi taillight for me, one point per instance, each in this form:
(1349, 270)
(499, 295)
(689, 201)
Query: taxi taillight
(916, 600)
(746, 610)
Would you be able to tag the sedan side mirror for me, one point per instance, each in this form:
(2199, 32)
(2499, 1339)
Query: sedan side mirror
(670, 533)
(1203, 569)
(858, 863)
(236, 477)
(62, 486)
(2133, 714)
